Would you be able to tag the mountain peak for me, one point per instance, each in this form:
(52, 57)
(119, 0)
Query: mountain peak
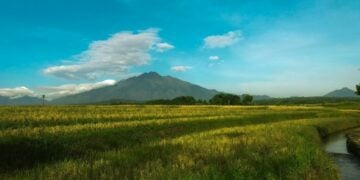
(343, 92)
(150, 74)
(145, 87)
(345, 89)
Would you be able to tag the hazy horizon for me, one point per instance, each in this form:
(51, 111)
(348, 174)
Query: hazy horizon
(280, 49)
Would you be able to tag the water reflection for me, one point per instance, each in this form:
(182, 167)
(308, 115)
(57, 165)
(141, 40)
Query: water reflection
(336, 144)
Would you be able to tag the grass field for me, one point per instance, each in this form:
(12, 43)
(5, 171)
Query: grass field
(170, 142)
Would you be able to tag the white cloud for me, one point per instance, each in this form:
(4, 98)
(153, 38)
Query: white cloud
(16, 92)
(162, 47)
(224, 40)
(181, 68)
(214, 58)
(114, 55)
(68, 89)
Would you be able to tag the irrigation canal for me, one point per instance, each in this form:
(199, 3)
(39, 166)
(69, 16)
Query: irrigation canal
(348, 164)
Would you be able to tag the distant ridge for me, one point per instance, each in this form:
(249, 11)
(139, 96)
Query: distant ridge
(344, 92)
(261, 97)
(25, 100)
(147, 86)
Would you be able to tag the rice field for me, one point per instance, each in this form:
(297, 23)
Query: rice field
(170, 142)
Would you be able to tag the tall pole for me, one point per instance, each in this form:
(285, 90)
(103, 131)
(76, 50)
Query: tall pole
(43, 97)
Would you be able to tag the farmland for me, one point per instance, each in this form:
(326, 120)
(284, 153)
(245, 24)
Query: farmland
(171, 142)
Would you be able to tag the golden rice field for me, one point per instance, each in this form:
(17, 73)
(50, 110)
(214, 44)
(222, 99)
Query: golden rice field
(170, 142)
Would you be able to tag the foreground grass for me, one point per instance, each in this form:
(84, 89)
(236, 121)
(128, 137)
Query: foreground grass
(169, 142)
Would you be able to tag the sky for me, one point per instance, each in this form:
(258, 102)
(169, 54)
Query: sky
(279, 48)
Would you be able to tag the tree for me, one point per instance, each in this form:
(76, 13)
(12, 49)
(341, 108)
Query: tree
(218, 99)
(225, 99)
(186, 100)
(358, 89)
(159, 102)
(247, 99)
(200, 101)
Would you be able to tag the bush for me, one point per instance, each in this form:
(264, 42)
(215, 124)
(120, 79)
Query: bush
(247, 99)
(181, 100)
(185, 100)
(225, 99)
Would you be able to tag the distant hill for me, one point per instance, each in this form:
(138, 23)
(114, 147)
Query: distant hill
(261, 97)
(147, 86)
(344, 92)
(306, 100)
(4, 100)
(26, 100)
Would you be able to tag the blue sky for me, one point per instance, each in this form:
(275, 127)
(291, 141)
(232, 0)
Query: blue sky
(278, 48)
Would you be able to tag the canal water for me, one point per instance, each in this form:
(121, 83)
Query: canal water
(348, 164)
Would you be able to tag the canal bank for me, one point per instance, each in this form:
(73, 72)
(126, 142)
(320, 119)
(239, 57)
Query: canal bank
(353, 142)
(348, 164)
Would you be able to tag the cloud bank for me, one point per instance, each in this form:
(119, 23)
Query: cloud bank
(162, 47)
(222, 41)
(16, 92)
(54, 92)
(214, 58)
(114, 55)
(181, 68)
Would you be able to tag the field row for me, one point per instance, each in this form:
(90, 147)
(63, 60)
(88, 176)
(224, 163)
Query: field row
(29, 117)
(275, 142)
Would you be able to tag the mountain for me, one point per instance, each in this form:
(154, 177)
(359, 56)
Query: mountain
(25, 100)
(344, 92)
(4, 100)
(261, 97)
(147, 86)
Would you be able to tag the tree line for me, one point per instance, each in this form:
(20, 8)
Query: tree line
(218, 99)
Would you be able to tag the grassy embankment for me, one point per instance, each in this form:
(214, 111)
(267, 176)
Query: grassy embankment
(353, 142)
(173, 142)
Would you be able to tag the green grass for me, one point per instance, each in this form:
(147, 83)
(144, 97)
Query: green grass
(170, 142)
